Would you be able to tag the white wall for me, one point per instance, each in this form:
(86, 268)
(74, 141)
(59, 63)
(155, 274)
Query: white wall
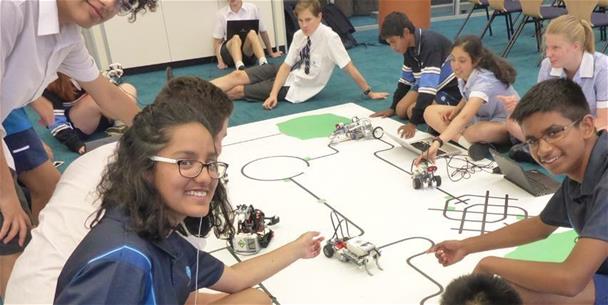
(178, 30)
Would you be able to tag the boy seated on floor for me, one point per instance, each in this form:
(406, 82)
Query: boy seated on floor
(560, 131)
(314, 52)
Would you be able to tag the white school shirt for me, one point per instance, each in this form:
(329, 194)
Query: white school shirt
(247, 11)
(592, 76)
(326, 51)
(34, 48)
(483, 84)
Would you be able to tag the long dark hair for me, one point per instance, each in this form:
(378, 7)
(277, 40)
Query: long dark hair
(484, 58)
(125, 183)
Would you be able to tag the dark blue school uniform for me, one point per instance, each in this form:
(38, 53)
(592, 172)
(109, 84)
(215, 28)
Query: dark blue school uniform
(114, 265)
(584, 207)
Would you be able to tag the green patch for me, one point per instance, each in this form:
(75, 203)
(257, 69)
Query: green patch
(312, 126)
(520, 217)
(451, 208)
(555, 248)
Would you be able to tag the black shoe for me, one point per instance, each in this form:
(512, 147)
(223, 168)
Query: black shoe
(521, 153)
(241, 68)
(479, 151)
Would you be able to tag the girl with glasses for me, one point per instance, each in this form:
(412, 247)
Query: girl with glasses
(165, 170)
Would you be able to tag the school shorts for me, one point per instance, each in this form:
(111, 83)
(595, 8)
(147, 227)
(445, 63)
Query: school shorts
(27, 150)
(229, 61)
(601, 289)
(13, 246)
(261, 80)
(104, 123)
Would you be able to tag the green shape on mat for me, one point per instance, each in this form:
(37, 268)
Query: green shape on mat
(451, 208)
(312, 126)
(555, 248)
(520, 217)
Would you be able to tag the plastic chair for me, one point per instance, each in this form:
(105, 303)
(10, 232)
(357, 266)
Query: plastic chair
(503, 8)
(584, 9)
(477, 5)
(534, 12)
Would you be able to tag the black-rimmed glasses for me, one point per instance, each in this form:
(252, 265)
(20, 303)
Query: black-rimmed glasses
(552, 135)
(193, 168)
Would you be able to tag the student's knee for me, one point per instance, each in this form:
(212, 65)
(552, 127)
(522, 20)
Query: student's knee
(129, 89)
(239, 77)
(235, 40)
(430, 113)
(258, 296)
(236, 93)
(252, 35)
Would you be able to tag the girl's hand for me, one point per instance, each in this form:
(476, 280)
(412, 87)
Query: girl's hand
(309, 244)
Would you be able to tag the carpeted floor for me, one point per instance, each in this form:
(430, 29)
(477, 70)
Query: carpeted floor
(377, 62)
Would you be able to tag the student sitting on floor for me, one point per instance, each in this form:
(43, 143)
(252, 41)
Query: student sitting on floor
(560, 130)
(313, 54)
(426, 75)
(480, 289)
(75, 199)
(570, 51)
(479, 117)
(132, 254)
(71, 114)
(232, 51)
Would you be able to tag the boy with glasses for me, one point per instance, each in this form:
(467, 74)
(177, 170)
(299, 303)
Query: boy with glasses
(559, 128)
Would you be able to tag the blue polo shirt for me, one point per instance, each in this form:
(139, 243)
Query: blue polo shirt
(592, 76)
(483, 84)
(114, 265)
(584, 206)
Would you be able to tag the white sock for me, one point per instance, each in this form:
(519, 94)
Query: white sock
(262, 60)
(464, 143)
(239, 64)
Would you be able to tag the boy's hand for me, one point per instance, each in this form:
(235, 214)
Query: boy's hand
(378, 95)
(383, 114)
(309, 244)
(509, 101)
(15, 222)
(448, 116)
(407, 131)
(448, 252)
(270, 103)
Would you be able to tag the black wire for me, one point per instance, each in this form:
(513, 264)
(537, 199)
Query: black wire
(466, 170)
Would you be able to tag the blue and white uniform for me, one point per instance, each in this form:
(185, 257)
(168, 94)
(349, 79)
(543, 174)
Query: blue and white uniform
(114, 265)
(483, 84)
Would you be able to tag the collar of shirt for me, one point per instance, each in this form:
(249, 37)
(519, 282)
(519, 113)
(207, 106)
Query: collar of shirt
(165, 244)
(48, 18)
(597, 164)
(417, 48)
(238, 13)
(466, 84)
(585, 70)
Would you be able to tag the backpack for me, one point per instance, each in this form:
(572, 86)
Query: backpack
(339, 23)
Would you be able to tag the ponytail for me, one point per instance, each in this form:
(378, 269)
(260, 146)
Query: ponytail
(484, 58)
(574, 30)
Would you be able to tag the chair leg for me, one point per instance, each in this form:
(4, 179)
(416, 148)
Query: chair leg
(537, 33)
(483, 33)
(488, 18)
(465, 22)
(605, 47)
(520, 28)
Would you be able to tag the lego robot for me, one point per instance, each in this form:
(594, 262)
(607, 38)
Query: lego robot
(251, 230)
(354, 250)
(349, 249)
(355, 130)
(114, 72)
(424, 174)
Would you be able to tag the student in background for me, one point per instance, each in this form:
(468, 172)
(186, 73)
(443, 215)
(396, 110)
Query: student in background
(560, 131)
(232, 51)
(71, 114)
(132, 254)
(314, 52)
(570, 51)
(426, 75)
(480, 289)
(479, 117)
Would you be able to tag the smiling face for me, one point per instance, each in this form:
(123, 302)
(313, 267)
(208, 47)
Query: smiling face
(86, 13)
(461, 62)
(186, 196)
(566, 155)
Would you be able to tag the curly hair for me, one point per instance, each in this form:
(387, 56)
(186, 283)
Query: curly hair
(480, 289)
(125, 183)
(133, 7)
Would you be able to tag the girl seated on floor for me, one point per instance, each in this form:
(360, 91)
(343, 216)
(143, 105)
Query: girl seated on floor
(479, 117)
(165, 170)
(71, 114)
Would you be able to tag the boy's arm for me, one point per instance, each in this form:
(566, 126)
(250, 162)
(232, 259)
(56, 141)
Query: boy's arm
(568, 278)
(279, 81)
(15, 222)
(362, 83)
(268, 45)
(217, 42)
(111, 99)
